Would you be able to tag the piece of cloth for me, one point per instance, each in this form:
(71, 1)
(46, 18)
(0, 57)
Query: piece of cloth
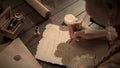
(103, 11)
(113, 62)
(84, 61)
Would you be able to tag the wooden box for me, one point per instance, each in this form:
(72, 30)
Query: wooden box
(6, 18)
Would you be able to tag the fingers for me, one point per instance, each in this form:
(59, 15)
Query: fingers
(77, 35)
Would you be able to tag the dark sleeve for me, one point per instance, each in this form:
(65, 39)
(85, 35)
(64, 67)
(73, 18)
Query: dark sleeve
(118, 30)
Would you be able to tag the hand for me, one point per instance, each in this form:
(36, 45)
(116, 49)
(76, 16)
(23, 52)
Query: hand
(76, 36)
(90, 34)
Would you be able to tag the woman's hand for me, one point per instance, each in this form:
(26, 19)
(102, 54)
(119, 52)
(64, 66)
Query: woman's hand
(90, 34)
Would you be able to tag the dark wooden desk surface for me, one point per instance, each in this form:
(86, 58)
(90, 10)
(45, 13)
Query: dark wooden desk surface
(58, 7)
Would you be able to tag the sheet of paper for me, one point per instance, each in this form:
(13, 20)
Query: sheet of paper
(24, 58)
(52, 36)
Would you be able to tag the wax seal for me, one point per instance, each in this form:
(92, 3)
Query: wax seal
(17, 58)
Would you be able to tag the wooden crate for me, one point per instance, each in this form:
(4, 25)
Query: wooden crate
(5, 20)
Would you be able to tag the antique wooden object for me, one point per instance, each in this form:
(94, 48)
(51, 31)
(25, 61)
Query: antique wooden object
(9, 26)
